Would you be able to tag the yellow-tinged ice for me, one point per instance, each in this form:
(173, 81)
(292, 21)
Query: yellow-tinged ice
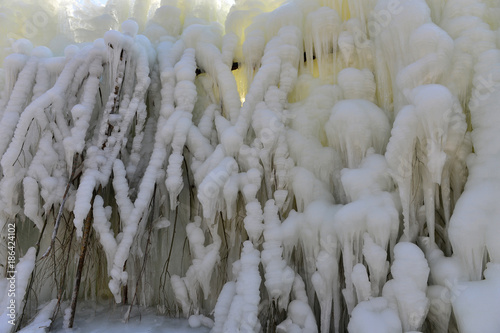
(241, 80)
(346, 13)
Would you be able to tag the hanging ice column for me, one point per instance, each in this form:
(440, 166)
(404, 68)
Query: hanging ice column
(474, 224)
(426, 133)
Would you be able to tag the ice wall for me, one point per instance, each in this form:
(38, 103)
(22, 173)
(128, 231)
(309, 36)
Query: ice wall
(289, 166)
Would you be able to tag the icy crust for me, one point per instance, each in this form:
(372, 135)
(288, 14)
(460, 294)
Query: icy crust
(298, 169)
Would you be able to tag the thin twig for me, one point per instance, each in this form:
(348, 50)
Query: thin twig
(146, 251)
(81, 260)
(22, 146)
(32, 276)
(165, 268)
(61, 291)
(61, 208)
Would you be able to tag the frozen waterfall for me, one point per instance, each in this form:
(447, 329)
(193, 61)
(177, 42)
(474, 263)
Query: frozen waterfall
(252, 165)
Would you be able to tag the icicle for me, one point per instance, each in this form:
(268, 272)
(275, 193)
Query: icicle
(354, 127)
(361, 283)
(300, 316)
(211, 186)
(278, 275)
(103, 229)
(410, 272)
(223, 306)
(323, 27)
(31, 201)
(253, 221)
(199, 273)
(376, 259)
(324, 282)
(242, 315)
(424, 140)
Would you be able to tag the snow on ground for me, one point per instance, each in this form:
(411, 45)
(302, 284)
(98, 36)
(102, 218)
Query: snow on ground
(110, 319)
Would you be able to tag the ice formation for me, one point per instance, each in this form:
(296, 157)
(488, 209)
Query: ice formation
(254, 166)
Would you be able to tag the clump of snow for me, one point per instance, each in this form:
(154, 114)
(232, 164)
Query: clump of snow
(354, 127)
(406, 292)
(375, 316)
(43, 319)
(426, 134)
(15, 286)
(242, 314)
(474, 302)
